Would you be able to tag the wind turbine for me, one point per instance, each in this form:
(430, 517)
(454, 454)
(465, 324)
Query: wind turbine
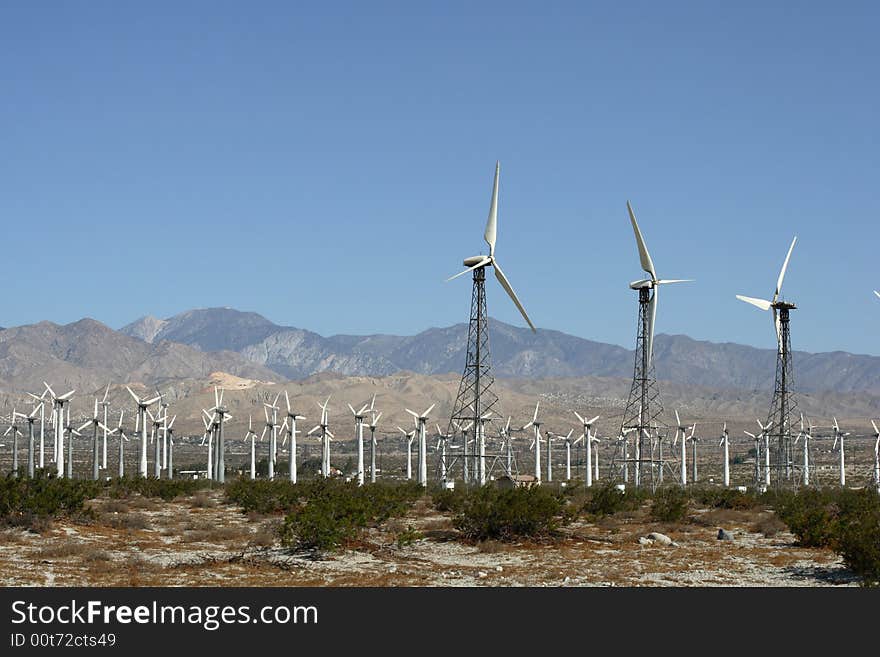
(463, 428)
(409, 435)
(475, 395)
(808, 437)
(30, 418)
(507, 446)
(421, 419)
(220, 448)
(157, 422)
(15, 434)
(210, 429)
(96, 424)
(725, 445)
(290, 423)
(374, 421)
(105, 405)
(536, 441)
(681, 430)
(273, 435)
(595, 440)
(169, 434)
(568, 443)
(162, 415)
(122, 440)
(41, 402)
(142, 406)
(840, 435)
(587, 424)
(876, 455)
(784, 404)
(71, 432)
(442, 440)
(58, 402)
(757, 440)
(253, 436)
(359, 435)
(638, 413)
(326, 436)
(766, 435)
(694, 440)
(271, 425)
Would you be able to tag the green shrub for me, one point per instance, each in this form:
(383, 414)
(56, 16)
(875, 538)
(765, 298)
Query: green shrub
(263, 495)
(492, 513)
(447, 500)
(407, 537)
(166, 489)
(605, 499)
(857, 537)
(670, 504)
(22, 500)
(723, 498)
(810, 514)
(329, 513)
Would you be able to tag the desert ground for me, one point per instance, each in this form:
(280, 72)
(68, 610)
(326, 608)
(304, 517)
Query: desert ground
(201, 540)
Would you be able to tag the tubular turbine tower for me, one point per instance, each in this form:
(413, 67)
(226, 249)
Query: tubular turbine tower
(476, 399)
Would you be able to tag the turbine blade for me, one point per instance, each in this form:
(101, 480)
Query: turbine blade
(492, 222)
(666, 281)
(763, 304)
(782, 271)
(652, 318)
(644, 256)
(506, 285)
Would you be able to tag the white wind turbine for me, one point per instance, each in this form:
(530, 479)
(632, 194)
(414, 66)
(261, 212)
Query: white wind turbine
(594, 441)
(157, 423)
(220, 446)
(359, 436)
(374, 422)
(588, 444)
(30, 418)
(208, 437)
(807, 435)
(290, 427)
(681, 431)
(271, 425)
(536, 441)
(442, 440)
(694, 440)
(169, 434)
(409, 435)
(652, 283)
(58, 402)
(105, 405)
(273, 435)
(142, 406)
(876, 455)
(757, 440)
(326, 436)
(763, 304)
(839, 436)
(568, 443)
(464, 429)
(766, 437)
(122, 440)
(725, 445)
(162, 416)
(421, 419)
(71, 432)
(507, 446)
(41, 404)
(253, 436)
(13, 427)
(490, 235)
(96, 455)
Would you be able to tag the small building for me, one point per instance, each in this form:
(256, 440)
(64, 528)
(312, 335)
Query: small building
(509, 482)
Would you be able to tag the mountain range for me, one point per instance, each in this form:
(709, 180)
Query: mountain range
(196, 343)
(296, 353)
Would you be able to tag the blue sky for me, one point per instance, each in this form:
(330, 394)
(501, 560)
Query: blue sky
(329, 165)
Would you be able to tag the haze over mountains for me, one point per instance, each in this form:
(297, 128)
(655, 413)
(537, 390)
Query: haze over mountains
(517, 352)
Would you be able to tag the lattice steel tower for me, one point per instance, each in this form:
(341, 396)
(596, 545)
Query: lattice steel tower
(641, 417)
(783, 409)
(476, 400)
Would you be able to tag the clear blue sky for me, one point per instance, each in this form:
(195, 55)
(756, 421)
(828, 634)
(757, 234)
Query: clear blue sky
(329, 165)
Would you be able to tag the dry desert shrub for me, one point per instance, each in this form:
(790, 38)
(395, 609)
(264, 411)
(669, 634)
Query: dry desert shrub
(95, 555)
(144, 503)
(129, 521)
(65, 548)
(114, 506)
(202, 500)
(769, 525)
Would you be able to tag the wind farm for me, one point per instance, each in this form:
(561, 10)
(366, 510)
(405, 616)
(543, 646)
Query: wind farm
(300, 296)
